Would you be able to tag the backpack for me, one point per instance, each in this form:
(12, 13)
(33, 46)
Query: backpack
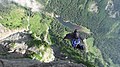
(75, 42)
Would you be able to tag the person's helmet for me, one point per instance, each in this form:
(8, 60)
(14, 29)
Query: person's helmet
(76, 34)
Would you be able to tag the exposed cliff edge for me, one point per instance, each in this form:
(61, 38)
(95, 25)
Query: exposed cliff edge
(14, 49)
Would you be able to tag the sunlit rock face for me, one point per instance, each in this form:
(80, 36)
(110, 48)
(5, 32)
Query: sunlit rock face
(32, 4)
(19, 48)
(46, 53)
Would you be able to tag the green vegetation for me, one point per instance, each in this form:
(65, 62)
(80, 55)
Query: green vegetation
(41, 49)
(56, 33)
(39, 23)
(65, 47)
(16, 18)
(95, 54)
(103, 45)
(105, 30)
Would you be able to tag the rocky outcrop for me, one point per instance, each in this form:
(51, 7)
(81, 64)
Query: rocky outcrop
(34, 63)
(14, 48)
(16, 42)
(46, 53)
(13, 45)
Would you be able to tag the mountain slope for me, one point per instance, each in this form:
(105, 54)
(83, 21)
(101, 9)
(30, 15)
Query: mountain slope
(101, 17)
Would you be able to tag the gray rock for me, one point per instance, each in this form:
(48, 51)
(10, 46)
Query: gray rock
(14, 46)
(34, 63)
(19, 37)
(2, 49)
(17, 63)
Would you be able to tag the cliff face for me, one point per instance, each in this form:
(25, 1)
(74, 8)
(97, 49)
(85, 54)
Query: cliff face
(15, 50)
(33, 63)
(30, 29)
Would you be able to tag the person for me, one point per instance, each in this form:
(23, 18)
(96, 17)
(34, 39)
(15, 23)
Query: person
(75, 42)
(75, 39)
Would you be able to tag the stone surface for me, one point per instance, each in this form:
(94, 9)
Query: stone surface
(34, 63)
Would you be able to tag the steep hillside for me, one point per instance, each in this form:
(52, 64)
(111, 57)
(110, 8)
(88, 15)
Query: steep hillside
(35, 30)
(100, 16)
(28, 34)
